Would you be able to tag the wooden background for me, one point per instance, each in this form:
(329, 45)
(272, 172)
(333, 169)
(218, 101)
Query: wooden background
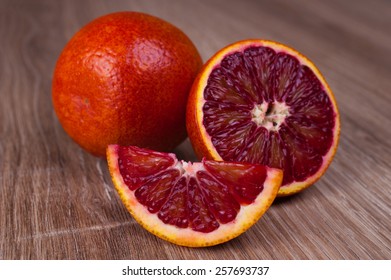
(58, 202)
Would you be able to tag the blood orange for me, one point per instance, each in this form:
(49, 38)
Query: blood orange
(124, 78)
(191, 204)
(262, 102)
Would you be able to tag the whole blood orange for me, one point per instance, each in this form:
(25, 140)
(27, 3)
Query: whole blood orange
(191, 204)
(262, 102)
(124, 78)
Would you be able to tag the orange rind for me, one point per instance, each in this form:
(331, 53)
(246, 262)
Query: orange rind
(285, 113)
(191, 204)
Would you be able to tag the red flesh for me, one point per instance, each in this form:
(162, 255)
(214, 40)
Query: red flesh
(202, 201)
(260, 75)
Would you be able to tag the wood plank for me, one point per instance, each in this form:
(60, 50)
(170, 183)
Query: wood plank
(58, 202)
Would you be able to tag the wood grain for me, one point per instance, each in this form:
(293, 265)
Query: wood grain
(58, 202)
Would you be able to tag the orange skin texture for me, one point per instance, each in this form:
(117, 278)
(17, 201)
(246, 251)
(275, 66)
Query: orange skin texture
(197, 138)
(124, 79)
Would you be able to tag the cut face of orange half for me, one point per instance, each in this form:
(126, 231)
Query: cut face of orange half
(262, 102)
(191, 204)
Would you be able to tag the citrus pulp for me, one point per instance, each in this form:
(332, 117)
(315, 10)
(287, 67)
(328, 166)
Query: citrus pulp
(191, 204)
(262, 102)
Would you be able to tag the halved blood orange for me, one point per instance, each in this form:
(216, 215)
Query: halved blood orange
(262, 102)
(191, 204)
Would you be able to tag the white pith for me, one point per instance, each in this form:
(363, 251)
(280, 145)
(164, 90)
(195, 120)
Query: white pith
(189, 168)
(273, 119)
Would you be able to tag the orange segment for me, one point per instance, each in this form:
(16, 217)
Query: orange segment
(262, 102)
(191, 204)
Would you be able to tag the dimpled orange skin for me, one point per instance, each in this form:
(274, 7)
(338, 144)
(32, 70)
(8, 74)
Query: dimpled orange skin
(124, 79)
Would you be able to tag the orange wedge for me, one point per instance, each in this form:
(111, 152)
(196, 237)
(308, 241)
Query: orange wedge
(191, 204)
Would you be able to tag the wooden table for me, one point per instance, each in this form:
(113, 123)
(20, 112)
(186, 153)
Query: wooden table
(58, 202)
